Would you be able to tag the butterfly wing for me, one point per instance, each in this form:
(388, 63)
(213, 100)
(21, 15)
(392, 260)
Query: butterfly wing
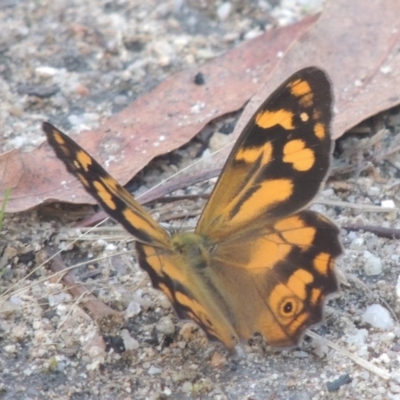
(170, 271)
(279, 161)
(116, 201)
(275, 280)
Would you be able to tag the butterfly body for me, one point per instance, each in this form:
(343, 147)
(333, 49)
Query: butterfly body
(257, 261)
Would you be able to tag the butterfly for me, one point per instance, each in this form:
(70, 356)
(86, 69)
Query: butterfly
(257, 261)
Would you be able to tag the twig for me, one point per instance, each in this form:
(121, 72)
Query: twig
(358, 360)
(95, 306)
(388, 233)
(364, 207)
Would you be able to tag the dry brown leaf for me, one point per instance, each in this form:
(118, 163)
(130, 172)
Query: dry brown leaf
(154, 124)
(357, 42)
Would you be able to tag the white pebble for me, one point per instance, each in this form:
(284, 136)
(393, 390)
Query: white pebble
(396, 376)
(218, 141)
(357, 244)
(358, 338)
(252, 34)
(167, 391)
(10, 349)
(110, 247)
(386, 69)
(74, 120)
(90, 118)
(8, 308)
(388, 204)
(56, 299)
(395, 257)
(166, 326)
(373, 264)
(129, 342)
(187, 387)
(46, 71)
(154, 370)
(132, 310)
(378, 317)
(387, 337)
(224, 10)
(374, 191)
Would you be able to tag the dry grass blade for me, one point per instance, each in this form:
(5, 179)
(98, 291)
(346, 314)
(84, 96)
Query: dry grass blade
(358, 360)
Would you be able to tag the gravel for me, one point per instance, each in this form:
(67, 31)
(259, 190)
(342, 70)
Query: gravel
(77, 63)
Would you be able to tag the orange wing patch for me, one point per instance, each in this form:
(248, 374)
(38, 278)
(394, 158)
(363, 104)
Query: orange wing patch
(319, 130)
(302, 90)
(268, 119)
(296, 153)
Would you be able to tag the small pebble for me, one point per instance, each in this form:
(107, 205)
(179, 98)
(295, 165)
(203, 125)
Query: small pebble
(132, 310)
(129, 342)
(46, 71)
(187, 387)
(378, 317)
(357, 244)
(218, 360)
(56, 299)
(18, 333)
(167, 391)
(388, 204)
(384, 358)
(337, 383)
(394, 388)
(224, 10)
(386, 69)
(82, 90)
(301, 395)
(10, 349)
(218, 141)
(74, 120)
(373, 264)
(300, 354)
(396, 376)
(166, 326)
(358, 338)
(154, 370)
(387, 337)
(374, 191)
(8, 308)
(121, 100)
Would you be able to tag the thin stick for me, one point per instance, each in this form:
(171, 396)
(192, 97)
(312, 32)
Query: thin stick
(358, 360)
(364, 207)
(380, 231)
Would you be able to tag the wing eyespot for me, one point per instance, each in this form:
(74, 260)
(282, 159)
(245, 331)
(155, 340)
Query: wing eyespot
(287, 307)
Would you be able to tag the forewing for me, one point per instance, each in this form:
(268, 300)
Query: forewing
(279, 161)
(276, 281)
(118, 203)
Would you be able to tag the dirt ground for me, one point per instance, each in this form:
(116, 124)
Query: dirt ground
(102, 56)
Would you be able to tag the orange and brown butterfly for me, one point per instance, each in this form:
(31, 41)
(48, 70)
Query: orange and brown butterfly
(256, 261)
